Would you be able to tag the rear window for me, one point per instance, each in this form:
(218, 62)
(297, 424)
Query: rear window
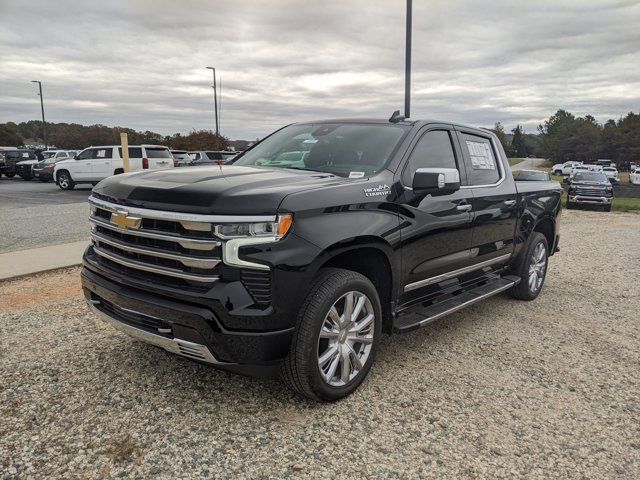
(215, 156)
(482, 167)
(158, 153)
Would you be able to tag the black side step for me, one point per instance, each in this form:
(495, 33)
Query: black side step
(418, 316)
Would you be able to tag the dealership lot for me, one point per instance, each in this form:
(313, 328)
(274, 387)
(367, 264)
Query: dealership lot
(501, 389)
(35, 214)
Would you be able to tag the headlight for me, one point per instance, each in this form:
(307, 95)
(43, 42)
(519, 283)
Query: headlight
(277, 229)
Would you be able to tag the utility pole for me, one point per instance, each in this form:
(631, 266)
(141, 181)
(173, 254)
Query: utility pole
(215, 98)
(220, 104)
(44, 125)
(407, 63)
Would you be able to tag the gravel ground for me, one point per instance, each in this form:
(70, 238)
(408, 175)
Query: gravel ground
(503, 389)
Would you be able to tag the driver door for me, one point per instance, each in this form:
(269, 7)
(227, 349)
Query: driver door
(82, 167)
(436, 229)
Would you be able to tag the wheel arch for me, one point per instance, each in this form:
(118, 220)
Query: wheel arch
(372, 258)
(547, 227)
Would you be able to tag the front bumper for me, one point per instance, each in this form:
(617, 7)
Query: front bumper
(24, 170)
(43, 175)
(189, 330)
(599, 200)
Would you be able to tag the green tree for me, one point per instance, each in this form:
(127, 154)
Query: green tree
(518, 143)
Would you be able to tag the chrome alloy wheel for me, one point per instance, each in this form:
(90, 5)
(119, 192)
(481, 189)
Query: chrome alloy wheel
(63, 181)
(346, 335)
(537, 267)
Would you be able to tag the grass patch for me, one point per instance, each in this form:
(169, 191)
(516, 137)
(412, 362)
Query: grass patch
(515, 161)
(618, 205)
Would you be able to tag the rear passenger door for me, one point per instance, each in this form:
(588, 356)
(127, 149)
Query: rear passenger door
(494, 212)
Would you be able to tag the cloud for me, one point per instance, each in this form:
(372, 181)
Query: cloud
(142, 63)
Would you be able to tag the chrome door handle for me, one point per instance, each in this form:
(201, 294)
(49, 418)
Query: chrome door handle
(465, 207)
(509, 203)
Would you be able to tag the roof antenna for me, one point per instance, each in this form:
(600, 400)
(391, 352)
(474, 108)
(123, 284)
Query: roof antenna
(396, 117)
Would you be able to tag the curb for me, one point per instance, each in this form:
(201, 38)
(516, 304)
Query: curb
(42, 259)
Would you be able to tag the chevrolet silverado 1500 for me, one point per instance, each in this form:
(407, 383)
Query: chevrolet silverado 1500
(295, 259)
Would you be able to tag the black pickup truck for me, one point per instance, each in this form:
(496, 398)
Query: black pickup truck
(295, 259)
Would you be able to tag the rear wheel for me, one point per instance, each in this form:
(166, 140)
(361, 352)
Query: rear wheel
(64, 181)
(532, 268)
(336, 336)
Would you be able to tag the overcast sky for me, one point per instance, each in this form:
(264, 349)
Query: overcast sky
(141, 64)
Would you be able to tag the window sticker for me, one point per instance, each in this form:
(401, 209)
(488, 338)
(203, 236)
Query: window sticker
(481, 156)
(356, 174)
(101, 153)
(25, 155)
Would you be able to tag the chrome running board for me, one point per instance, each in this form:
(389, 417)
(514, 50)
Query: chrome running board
(418, 316)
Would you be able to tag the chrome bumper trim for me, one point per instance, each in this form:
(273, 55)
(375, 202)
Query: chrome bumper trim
(589, 199)
(194, 351)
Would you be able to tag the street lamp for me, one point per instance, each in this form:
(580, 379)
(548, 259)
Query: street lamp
(215, 98)
(44, 125)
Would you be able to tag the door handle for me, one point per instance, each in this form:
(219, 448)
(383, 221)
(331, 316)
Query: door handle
(509, 203)
(465, 207)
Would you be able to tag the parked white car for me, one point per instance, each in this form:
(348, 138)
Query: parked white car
(58, 154)
(564, 168)
(634, 176)
(612, 174)
(578, 168)
(97, 163)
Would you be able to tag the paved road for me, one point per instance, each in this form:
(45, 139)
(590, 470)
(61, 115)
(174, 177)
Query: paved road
(35, 214)
(528, 164)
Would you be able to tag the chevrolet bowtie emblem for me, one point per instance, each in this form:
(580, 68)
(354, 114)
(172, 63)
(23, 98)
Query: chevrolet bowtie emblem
(124, 221)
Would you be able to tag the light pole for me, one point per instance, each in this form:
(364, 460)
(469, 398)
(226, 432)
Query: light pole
(407, 63)
(44, 125)
(215, 98)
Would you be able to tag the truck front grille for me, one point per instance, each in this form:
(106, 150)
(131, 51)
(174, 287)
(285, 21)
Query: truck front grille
(164, 243)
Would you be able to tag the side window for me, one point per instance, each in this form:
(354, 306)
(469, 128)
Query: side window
(102, 153)
(433, 150)
(482, 167)
(86, 154)
(134, 152)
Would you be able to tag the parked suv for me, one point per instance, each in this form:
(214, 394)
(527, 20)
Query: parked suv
(211, 157)
(612, 175)
(591, 188)
(181, 158)
(11, 158)
(97, 163)
(297, 269)
(634, 176)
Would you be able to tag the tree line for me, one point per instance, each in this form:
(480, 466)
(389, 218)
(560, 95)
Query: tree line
(560, 138)
(565, 137)
(74, 136)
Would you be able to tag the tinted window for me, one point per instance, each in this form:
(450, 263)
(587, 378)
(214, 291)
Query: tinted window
(214, 155)
(482, 167)
(102, 153)
(590, 177)
(85, 154)
(158, 153)
(134, 152)
(433, 150)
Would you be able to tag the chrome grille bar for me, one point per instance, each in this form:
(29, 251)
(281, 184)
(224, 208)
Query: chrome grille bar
(185, 242)
(189, 261)
(172, 272)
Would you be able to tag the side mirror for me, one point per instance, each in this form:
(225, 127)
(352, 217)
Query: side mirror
(436, 180)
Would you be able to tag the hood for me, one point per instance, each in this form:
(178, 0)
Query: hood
(65, 162)
(212, 189)
(28, 162)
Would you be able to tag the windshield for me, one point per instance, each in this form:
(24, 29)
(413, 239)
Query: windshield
(51, 160)
(348, 150)
(48, 154)
(590, 177)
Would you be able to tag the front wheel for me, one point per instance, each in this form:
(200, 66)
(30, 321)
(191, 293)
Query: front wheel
(65, 181)
(336, 337)
(607, 208)
(10, 175)
(532, 268)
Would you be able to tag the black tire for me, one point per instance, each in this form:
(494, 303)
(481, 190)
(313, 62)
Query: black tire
(118, 171)
(607, 208)
(10, 175)
(524, 291)
(570, 205)
(43, 180)
(300, 369)
(26, 178)
(64, 181)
